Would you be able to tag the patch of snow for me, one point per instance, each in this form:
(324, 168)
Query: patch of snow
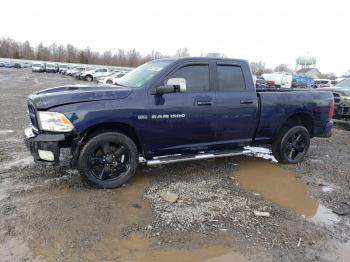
(261, 152)
(327, 189)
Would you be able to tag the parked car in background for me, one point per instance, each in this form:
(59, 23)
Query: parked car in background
(50, 68)
(9, 65)
(70, 70)
(111, 79)
(341, 94)
(2, 64)
(278, 79)
(79, 70)
(26, 65)
(260, 83)
(38, 67)
(322, 83)
(62, 68)
(17, 65)
(89, 75)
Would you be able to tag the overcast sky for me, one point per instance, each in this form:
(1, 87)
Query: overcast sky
(271, 31)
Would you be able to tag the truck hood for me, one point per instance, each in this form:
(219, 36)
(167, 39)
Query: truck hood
(70, 94)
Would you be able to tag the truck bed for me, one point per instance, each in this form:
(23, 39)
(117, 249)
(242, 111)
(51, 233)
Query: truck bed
(276, 106)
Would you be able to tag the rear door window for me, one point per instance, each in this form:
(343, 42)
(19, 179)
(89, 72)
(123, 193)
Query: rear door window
(230, 78)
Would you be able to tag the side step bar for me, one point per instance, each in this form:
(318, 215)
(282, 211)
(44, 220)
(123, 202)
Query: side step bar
(183, 158)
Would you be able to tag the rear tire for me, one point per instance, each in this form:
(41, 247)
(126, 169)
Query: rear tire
(291, 145)
(108, 160)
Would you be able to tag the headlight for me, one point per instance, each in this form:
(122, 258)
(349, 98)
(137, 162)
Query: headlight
(346, 98)
(55, 122)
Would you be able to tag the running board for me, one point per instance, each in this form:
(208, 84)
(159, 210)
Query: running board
(182, 158)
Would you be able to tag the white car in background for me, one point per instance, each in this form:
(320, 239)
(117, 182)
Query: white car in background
(90, 75)
(278, 79)
(111, 79)
(318, 83)
(38, 67)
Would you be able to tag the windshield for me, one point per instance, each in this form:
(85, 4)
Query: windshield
(144, 73)
(344, 83)
(37, 65)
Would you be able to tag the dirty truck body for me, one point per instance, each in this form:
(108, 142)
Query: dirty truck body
(172, 110)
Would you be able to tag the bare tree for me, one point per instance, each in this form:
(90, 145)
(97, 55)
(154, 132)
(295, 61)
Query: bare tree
(259, 68)
(283, 68)
(182, 52)
(219, 55)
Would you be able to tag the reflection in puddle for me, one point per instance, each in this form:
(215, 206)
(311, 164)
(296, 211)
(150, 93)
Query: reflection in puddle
(277, 185)
(283, 188)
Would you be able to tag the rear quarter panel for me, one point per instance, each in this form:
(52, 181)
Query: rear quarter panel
(277, 107)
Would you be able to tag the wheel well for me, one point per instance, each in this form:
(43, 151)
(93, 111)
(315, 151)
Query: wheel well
(302, 119)
(118, 127)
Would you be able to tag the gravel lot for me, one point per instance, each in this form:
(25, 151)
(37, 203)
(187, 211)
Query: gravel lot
(48, 214)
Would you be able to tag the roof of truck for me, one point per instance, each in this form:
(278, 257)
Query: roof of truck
(204, 58)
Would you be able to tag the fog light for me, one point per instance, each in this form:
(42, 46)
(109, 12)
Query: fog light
(46, 155)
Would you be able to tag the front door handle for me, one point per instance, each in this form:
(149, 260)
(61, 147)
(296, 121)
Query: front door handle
(246, 102)
(204, 103)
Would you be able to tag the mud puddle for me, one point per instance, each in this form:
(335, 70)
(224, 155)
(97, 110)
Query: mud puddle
(138, 248)
(283, 188)
(107, 225)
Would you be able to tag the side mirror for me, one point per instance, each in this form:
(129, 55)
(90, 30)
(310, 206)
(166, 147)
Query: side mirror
(173, 85)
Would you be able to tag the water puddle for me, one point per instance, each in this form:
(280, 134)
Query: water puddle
(107, 225)
(283, 188)
(136, 248)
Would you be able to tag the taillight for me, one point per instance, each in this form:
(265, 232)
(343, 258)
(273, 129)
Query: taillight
(331, 110)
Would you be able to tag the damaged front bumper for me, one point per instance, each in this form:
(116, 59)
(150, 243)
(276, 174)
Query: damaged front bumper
(44, 147)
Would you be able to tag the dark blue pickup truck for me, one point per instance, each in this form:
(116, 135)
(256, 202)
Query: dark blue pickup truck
(172, 110)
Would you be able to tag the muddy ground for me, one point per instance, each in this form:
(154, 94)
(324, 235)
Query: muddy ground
(48, 214)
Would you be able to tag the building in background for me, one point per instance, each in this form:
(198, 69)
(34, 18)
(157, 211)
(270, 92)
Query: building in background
(310, 72)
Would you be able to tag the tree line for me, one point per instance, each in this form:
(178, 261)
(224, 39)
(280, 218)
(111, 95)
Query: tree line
(10, 48)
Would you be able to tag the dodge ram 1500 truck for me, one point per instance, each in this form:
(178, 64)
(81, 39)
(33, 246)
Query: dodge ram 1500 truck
(172, 110)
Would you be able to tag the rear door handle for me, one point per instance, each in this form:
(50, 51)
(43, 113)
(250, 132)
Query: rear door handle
(246, 102)
(204, 103)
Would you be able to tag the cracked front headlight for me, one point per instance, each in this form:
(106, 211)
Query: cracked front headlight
(55, 122)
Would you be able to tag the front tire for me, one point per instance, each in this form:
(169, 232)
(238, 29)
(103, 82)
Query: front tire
(108, 160)
(89, 78)
(292, 145)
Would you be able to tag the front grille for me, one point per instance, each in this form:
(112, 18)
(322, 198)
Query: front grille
(336, 98)
(32, 114)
